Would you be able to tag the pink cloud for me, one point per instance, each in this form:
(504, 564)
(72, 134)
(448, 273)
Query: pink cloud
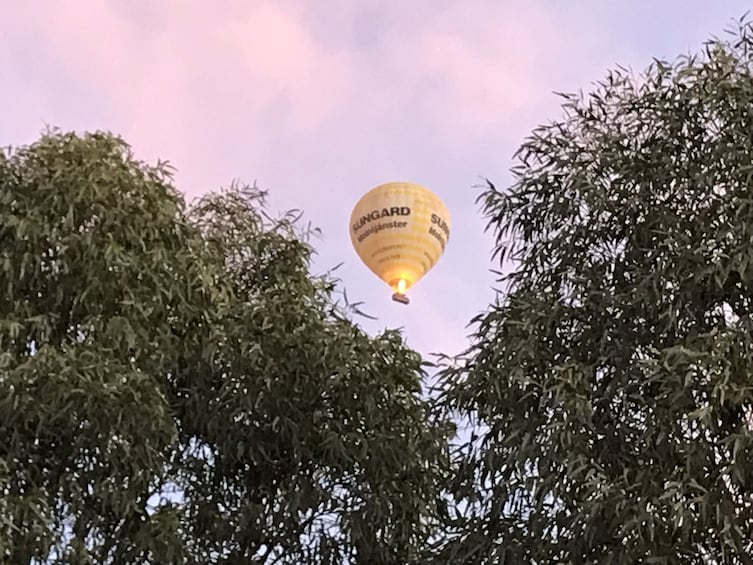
(254, 64)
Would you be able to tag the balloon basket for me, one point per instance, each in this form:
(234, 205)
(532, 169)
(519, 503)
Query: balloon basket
(401, 298)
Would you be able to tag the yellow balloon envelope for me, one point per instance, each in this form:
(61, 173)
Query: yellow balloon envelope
(400, 230)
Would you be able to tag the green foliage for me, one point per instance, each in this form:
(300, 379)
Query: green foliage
(611, 381)
(175, 386)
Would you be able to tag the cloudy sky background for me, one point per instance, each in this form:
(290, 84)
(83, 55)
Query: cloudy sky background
(319, 101)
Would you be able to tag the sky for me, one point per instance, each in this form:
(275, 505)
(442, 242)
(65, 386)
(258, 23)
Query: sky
(319, 101)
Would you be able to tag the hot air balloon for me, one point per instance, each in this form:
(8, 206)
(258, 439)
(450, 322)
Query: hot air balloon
(400, 230)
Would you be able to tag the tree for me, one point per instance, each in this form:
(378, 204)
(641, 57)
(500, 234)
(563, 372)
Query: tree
(611, 379)
(177, 387)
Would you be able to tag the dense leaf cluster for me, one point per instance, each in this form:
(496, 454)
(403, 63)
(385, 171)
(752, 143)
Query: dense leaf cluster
(175, 386)
(612, 378)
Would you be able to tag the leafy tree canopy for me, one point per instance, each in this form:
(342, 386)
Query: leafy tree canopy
(176, 387)
(611, 379)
